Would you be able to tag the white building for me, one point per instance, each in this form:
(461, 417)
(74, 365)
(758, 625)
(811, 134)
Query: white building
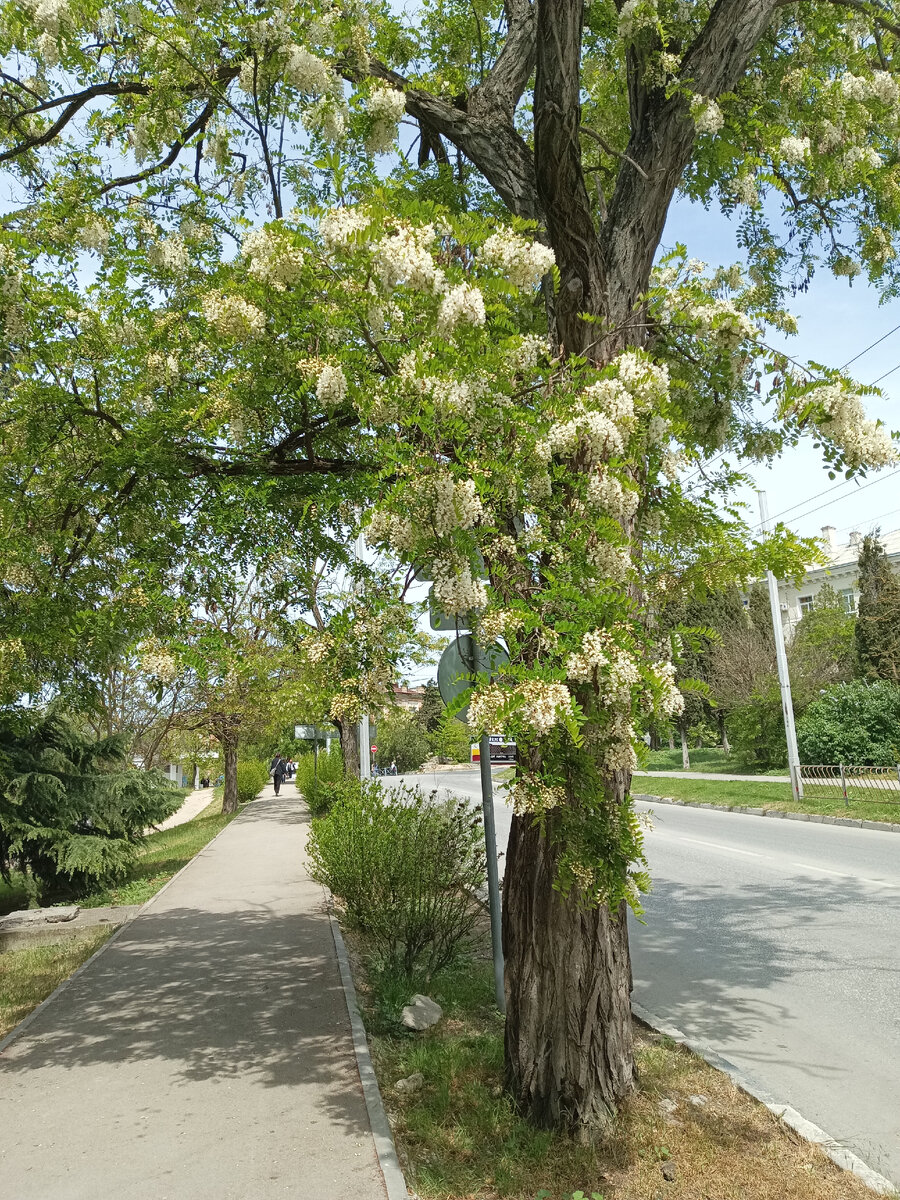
(839, 572)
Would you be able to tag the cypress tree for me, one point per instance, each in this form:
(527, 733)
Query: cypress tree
(878, 622)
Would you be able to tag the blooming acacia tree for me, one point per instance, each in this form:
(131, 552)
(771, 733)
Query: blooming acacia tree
(554, 463)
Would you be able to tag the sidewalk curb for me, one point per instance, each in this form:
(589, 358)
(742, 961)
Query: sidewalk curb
(19, 1029)
(394, 1180)
(838, 1154)
(815, 818)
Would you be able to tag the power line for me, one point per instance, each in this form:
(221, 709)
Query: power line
(885, 375)
(828, 503)
(868, 348)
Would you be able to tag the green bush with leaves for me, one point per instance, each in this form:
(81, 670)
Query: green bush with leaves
(407, 868)
(401, 740)
(853, 723)
(316, 781)
(252, 777)
(756, 728)
(73, 811)
(451, 741)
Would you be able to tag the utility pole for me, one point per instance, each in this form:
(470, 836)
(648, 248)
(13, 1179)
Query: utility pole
(784, 679)
(365, 753)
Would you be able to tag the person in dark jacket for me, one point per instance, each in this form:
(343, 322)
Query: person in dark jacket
(279, 770)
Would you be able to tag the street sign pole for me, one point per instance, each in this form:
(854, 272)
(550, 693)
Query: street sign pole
(490, 843)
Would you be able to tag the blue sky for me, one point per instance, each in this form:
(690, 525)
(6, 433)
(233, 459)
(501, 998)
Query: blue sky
(836, 322)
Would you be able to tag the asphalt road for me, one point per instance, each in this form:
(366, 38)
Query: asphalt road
(777, 944)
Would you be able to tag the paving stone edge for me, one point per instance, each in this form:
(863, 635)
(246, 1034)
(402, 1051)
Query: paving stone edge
(815, 818)
(838, 1154)
(394, 1180)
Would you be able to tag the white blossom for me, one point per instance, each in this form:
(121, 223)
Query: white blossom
(307, 72)
(855, 87)
(272, 259)
(233, 316)
(793, 149)
(339, 227)
(385, 106)
(405, 257)
(523, 263)
(169, 253)
(462, 304)
(707, 115)
(635, 15)
(864, 442)
(861, 155)
(526, 355)
(331, 388)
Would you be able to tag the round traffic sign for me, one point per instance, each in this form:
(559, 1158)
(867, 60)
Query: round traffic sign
(461, 662)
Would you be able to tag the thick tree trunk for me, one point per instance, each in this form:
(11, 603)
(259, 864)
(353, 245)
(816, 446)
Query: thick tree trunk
(230, 794)
(349, 748)
(569, 1053)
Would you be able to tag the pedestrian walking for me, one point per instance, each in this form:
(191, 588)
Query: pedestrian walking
(279, 770)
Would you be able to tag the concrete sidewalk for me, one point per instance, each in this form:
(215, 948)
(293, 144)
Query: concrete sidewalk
(205, 1054)
(193, 806)
(714, 777)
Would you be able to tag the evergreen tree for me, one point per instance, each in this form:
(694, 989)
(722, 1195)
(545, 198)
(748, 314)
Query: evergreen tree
(72, 810)
(429, 715)
(878, 623)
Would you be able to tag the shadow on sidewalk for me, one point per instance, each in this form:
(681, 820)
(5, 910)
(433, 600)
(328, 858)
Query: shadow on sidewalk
(239, 995)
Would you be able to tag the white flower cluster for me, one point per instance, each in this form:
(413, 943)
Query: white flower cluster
(494, 624)
(307, 72)
(594, 434)
(671, 701)
(861, 155)
(169, 253)
(163, 368)
(318, 649)
(793, 149)
(273, 259)
(865, 443)
(327, 117)
(530, 795)
(395, 531)
(635, 15)
(94, 235)
(455, 589)
(158, 663)
(339, 227)
(543, 704)
(528, 353)
(450, 503)
(345, 707)
(648, 382)
(331, 388)
(405, 257)
(463, 304)
(51, 15)
(607, 494)
(744, 189)
(612, 562)
(707, 116)
(855, 87)
(233, 316)
(523, 263)
(386, 106)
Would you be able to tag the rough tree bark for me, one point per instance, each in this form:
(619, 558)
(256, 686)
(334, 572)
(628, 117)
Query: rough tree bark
(349, 748)
(230, 793)
(569, 1057)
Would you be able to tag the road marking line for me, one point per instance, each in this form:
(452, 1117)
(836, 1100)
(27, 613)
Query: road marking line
(718, 846)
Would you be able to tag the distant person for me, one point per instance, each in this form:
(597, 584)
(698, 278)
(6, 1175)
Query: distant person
(279, 770)
(393, 766)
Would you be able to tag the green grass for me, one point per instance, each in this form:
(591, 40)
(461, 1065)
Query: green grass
(762, 794)
(28, 976)
(709, 759)
(460, 1137)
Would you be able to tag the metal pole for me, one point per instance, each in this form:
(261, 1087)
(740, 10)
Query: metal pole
(784, 679)
(490, 843)
(365, 754)
(844, 786)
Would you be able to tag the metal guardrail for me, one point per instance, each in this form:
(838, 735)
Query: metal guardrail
(880, 784)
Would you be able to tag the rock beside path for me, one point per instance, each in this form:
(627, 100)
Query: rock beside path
(421, 1013)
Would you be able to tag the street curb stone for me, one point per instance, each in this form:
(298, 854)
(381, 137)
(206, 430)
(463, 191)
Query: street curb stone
(878, 826)
(838, 1154)
(394, 1181)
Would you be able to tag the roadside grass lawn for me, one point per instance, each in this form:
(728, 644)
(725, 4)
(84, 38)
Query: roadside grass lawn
(460, 1138)
(712, 758)
(28, 976)
(752, 794)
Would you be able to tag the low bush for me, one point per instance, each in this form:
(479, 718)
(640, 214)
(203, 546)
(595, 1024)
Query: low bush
(451, 740)
(407, 868)
(316, 781)
(401, 740)
(252, 777)
(854, 723)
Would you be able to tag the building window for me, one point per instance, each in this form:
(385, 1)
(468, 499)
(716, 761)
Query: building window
(848, 599)
(806, 603)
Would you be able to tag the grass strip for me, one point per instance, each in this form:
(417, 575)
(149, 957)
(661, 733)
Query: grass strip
(28, 976)
(710, 759)
(460, 1138)
(760, 794)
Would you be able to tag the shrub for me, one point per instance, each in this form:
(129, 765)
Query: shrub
(756, 728)
(72, 809)
(316, 782)
(252, 777)
(401, 739)
(854, 723)
(407, 868)
(451, 740)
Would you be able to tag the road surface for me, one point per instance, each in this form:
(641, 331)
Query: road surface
(778, 945)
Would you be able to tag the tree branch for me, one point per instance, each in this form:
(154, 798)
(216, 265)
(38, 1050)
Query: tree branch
(195, 126)
(74, 104)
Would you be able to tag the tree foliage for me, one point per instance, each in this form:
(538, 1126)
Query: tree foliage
(856, 723)
(878, 620)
